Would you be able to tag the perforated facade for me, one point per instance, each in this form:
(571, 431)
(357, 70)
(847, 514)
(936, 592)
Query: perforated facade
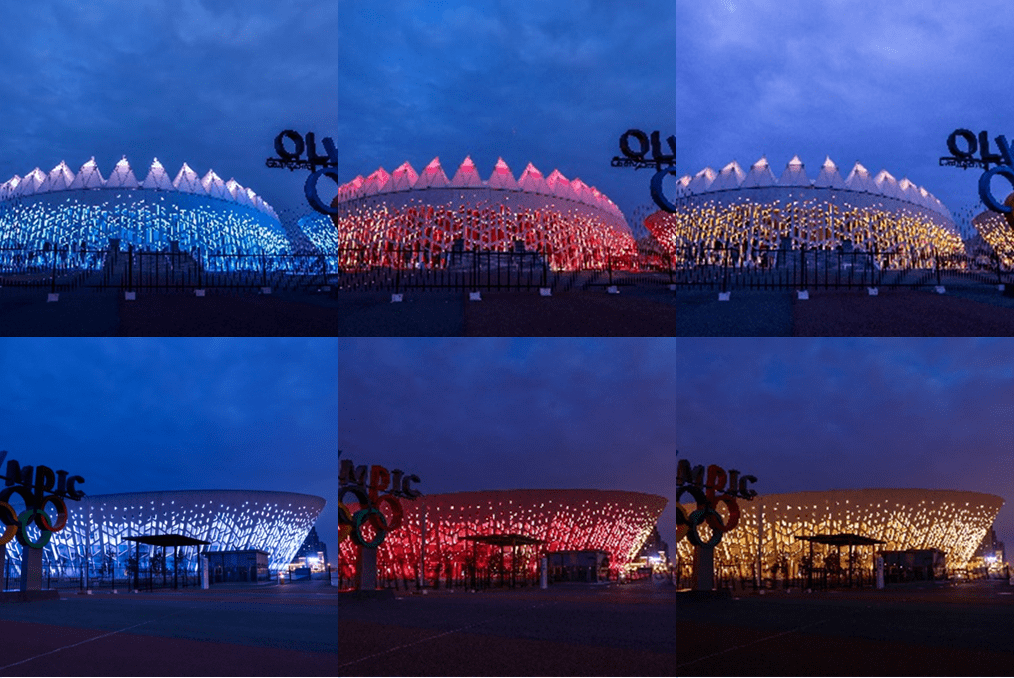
(572, 225)
(74, 214)
(275, 522)
(563, 520)
(749, 213)
(949, 520)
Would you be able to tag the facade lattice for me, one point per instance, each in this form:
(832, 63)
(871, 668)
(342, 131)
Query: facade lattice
(952, 521)
(385, 215)
(76, 214)
(275, 522)
(563, 520)
(747, 214)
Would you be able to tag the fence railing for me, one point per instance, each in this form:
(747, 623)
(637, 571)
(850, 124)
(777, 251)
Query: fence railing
(409, 269)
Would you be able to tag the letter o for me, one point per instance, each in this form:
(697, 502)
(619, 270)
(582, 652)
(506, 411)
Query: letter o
(9, 519)
(310, 189)
(1007, 172)
(642, 140)
(969, 138)
(26, 517)
(280, 149)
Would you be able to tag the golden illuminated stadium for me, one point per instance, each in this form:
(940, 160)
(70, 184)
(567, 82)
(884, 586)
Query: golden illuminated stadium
(998, 231)
(952, 521)
(747, 214)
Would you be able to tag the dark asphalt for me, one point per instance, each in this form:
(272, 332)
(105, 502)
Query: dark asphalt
(642, 629)
(635, 311)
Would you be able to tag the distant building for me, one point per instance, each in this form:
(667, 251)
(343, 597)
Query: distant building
(312, 553)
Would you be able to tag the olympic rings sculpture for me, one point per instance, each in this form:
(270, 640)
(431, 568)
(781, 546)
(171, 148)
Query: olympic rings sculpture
(15, 524)
(369, 511)
(705, 493)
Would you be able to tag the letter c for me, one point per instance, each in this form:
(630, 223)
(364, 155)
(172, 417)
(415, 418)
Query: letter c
(656, 189)
(310, 189)
(1007, 172)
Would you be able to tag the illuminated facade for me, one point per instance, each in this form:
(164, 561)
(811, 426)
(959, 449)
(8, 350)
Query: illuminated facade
(749, 213)
(275, 522)
(569, 223)
(562, 520)
(72, 212)
(998, 231)
(949, 520)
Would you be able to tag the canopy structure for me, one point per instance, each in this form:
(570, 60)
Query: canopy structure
(167, 540)
(163, 540)
(841, 539)
(503, 539)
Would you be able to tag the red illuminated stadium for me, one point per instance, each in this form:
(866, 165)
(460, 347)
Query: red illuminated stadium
(410, 219)
(558, 520)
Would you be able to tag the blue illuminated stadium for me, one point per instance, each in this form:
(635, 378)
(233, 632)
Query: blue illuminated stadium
(77, 214)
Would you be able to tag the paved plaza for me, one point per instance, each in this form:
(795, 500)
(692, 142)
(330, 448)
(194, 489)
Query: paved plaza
(310, 629)
(635, 311)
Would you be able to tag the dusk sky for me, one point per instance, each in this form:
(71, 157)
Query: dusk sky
(265, 414)
(211, 82)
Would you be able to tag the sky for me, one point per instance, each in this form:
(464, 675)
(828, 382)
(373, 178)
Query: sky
(212, 82)
(132, 415)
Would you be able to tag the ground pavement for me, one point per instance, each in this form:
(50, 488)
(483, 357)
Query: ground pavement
(635, 311)
(640, 629)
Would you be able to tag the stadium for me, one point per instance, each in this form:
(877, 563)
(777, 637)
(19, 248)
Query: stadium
(949, 520)
(76, 215)
(509, 530)
(410, 219)
(997, 230)
(94, 537)
(747, 215)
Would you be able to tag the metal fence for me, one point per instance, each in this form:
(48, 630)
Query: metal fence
(697, 269)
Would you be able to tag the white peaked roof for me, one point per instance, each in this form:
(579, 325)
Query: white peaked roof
(60, 178)
(829, 176)
(157, 178)
(233, 187)
(352, 189)
(30, 182)
(215, 187)
(702, 180)
(403, 178)
(88, 176)
(377, 182)
(731, 176)
(122, 176)
(432, 176)
(467, 175)
(502, 176)
(186, 181)
(582, 191)
(859, 179)
(794, 174)
(759, 175)
(532, 180)
(559, 185)
(8, 187)
(888, 185)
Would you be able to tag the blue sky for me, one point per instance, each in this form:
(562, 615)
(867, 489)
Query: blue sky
(270, 414)
(211, 82)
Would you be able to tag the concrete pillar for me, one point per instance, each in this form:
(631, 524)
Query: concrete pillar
(544, 572)
(704, 568)
(366, 569)
(31, 569)
(205, 574)
(880, 572)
